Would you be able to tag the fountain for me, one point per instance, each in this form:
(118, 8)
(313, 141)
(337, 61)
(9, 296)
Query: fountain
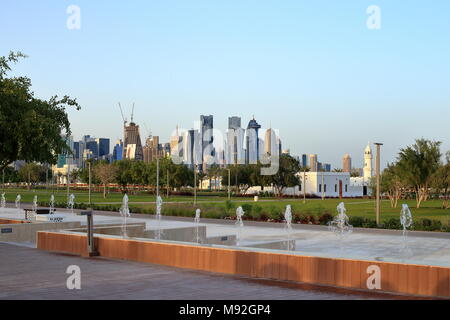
(406, 221)
(197, 222)
(18, 198)
(125, 213)
(71, 202)
(158, 217)
(52, 204)
(34, 207)
(239, 223)
(288, 227)
(340, 225)
(3, 201)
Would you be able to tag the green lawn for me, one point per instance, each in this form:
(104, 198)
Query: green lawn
(214, 205)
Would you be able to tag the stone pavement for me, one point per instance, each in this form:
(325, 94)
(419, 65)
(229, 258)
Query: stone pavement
(29, 273)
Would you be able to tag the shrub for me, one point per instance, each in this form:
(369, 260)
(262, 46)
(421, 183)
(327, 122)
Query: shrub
(247, 207)
(392, 223)
(325, 218)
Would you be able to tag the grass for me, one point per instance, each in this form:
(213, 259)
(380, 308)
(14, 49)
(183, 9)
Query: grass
(217, 207)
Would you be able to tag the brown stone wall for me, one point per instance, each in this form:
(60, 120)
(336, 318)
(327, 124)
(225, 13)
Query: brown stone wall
(347, 273)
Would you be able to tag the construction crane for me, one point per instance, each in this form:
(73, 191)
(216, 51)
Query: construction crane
(124, 119)
(132, 112)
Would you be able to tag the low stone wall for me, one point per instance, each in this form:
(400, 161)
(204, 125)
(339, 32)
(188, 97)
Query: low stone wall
(184, 234)
(228, 240)
(132, 229)
(274, 245)
(13, 221)
(347, 273)
(26, 232)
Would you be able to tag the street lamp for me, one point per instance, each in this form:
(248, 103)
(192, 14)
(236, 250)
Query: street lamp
(195, 184)
(229, 182)
(89, 165)
(377, 170)
(304, 185)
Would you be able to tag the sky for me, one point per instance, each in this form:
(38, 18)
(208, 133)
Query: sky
(311, 69)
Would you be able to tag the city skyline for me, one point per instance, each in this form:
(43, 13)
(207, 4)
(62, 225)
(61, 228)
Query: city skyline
(228, 145)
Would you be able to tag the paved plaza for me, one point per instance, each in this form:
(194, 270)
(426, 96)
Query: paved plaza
(29, 273)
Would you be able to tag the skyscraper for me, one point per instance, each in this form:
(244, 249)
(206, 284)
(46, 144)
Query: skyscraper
(304, 160)
(270, 143)
(252, 142)
(152, 149)
(103, 147)
(346, 163)
(192, 148)
(132, 148)
(207, 139)
(313, 165)
(234, 149)
(118, 151)
(234, 123)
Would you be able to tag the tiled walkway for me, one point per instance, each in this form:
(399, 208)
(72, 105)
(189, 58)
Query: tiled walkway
(28, 273)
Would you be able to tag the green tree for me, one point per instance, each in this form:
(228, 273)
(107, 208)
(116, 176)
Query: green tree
(106, 174)
(441, 182)
(31, 173)
(182, 176)
(391, 184)
(417, 165)
(286, 176)
(124, 173)
(31, 127)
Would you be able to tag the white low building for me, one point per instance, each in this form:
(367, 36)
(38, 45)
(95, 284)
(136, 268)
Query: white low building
(323, 184)
(330, 184)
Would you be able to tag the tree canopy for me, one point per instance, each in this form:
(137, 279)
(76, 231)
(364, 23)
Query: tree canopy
(31, 129)
(417, 165)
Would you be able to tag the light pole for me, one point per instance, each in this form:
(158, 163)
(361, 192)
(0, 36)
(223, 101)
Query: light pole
(323, 188)
(167, 183)
(68, 177)
(89, 166)
(377, 170)
(157, 178)
(229, 182)
(304, 185)
(195, 184)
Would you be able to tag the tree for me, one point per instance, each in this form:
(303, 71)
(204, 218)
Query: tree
(182, 176)
(417, 164)
(441, 181)
(242, 176)
(10, 175)
(124, 173)
(286, 176)
(31, 173)
(106, 173)
(392, 184)
(30, 128)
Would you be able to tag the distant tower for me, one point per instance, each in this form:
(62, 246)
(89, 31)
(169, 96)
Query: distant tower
(346, 163)
(252, 142)
(367, 170)
(206, 133)
(313, 164)
(270, 143)
(132, 147)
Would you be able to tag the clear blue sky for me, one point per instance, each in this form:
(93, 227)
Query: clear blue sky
(309, 68)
